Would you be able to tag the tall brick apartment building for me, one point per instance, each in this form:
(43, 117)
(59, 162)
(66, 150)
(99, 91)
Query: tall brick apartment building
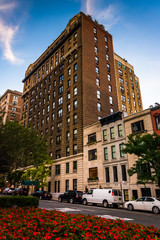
(11, 104)
(71, 85)
(128, 87)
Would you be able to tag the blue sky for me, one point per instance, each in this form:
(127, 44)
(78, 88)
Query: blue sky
(28, 27)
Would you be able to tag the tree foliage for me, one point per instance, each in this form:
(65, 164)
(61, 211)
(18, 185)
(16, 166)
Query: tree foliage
(147, 149)
(20, 147)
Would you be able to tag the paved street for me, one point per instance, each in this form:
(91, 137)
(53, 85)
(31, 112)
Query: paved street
(145, 218)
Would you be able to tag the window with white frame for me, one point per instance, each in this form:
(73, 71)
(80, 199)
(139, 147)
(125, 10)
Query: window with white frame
(99, 106)
(97, 82)
(110, 100)
(98, 94)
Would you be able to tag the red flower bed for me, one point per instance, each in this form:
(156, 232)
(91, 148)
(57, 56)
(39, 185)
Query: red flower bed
(32, 223)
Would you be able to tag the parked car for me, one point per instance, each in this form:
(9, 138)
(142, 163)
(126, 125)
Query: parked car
(10, 191)
(71, 196)
(106, 197)
(5, 191)
(20, 192)
(145, 204)
(42, 195)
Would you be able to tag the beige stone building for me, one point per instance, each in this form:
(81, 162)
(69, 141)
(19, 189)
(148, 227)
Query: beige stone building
(105, 166)
(139, 123)
(128, 86)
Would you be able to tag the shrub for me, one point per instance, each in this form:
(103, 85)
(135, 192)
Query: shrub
(19, 201)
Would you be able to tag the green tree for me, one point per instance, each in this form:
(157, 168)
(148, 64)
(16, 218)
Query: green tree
(14, 178)
(21, 147)
(147, 149)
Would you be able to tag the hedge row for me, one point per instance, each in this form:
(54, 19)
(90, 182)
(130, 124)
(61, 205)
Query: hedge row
(19, 201)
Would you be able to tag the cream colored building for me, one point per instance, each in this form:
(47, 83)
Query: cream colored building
(105, 166)
(139, 123)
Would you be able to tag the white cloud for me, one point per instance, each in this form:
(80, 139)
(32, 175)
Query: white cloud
(107, 16)
(7, 34)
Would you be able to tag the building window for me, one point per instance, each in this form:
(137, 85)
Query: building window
(99, 106)
(75, 149)
(119, 64)
(107, 174)
(112, 133)
(48, 108)
(157, 120)
(121, 147)
(75, 66)
(109, 88)
(58, 154)
(67, 136)
(57, 170)
(58, 139)
(120, 130)
(75, 133)
(106, 39)
(137, 126)
(14, 109)
(68, 107)
(75, 56)
(75, 78)
(92, 154)
(113, 150)
(68, 122)
(52, 116)
(69, 83)
(69, 71)
(124, 108)
(106, 153)
(67, 185)
(75, 104)
(115, 174)
(93, 173)
(95, 30)
(120, 72)
(67, 151)
(97, 70)
(96, 60)
(109, 77)
(95, 40)
(68, 95)
(121, 80)
(110, 100)
(107, 57)
(67, 167)
(74, 118)
(60, 100)
(107, 49)
(75, 36)
(96, 49)
(75, 166)
(105, 135)
(97, 82)
(75, 91)
(98, 94)
(59, 126)
(108, 67)
(60, 112)
(60, 89)
(92, 138)
(61, 78)
(75, 184)
(124, 173)
(122, 89)
(123, 98)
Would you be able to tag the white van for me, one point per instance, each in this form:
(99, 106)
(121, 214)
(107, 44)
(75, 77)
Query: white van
(106, 197)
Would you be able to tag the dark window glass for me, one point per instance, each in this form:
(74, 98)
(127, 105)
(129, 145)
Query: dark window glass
(92, 154)
(107, 174)
(57, 170)
(124, 174)
(115, 174)
(67, 167)
(92, 138)
(137, 126)
(93, 172)
(74, 184)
